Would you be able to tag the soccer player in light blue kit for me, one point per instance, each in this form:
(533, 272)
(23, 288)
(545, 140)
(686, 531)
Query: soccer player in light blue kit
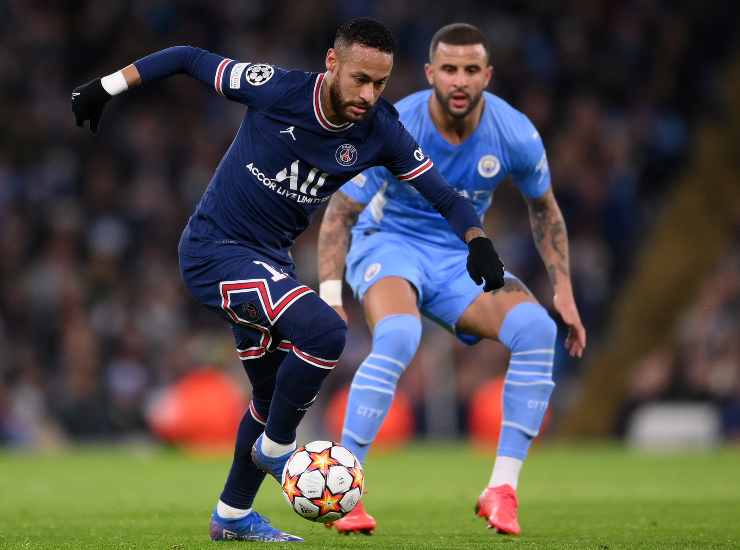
(404, 259)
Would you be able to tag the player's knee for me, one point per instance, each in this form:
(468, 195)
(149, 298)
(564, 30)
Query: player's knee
(541, 330)
(397, 336)
(327, 343)
(334, 341)
(528, 327)
(316, 328)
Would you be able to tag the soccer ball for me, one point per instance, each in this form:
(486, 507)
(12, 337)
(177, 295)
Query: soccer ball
(323, 481)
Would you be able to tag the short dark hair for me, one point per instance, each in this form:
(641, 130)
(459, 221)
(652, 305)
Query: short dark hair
(366, 32)
(458, 34)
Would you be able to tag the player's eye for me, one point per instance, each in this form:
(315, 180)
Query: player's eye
(473, 69)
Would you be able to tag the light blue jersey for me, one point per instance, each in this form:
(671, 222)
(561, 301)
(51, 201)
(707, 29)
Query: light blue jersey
(504, 143)
(399, 235)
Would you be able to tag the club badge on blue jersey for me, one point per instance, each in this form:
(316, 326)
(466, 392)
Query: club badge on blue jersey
(505, 143)
(489, 166)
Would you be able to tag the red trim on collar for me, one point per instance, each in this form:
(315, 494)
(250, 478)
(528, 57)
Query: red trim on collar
(319, 112)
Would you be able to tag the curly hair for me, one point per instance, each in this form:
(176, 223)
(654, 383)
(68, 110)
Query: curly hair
(367, 32)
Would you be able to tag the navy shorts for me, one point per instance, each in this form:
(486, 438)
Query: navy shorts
(250, 291)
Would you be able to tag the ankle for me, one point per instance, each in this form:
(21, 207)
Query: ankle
(226, 511)
(506, 472)
(274, 449)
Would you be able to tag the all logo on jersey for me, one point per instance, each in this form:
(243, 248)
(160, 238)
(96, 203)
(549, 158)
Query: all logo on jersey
(260, 73)
(305, 192)
(346, 154)
(372, 271)
(489, 166)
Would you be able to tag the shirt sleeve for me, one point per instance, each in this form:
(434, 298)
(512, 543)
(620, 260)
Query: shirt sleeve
(408, 163)
(531, 173)
(404, 158)
(364, 186)
(253, 84)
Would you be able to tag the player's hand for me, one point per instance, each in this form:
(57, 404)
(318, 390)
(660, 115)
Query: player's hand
(88, 102)
(343, 314)
(565, 305)
(484, 265)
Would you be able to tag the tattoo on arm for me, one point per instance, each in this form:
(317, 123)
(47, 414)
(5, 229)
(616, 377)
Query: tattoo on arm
(340, 216)
(550, 235)
(514, 285)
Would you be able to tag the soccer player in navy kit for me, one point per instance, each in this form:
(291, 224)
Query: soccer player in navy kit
(305, 135)
(404, 260)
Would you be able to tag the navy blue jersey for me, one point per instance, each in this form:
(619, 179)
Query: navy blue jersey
(287, 158)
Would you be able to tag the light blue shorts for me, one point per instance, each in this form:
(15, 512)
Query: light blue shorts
(444, 288)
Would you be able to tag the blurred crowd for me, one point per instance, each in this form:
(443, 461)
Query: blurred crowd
(702, 360)
(94, 319)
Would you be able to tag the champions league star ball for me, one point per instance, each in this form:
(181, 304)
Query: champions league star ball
(323, 481)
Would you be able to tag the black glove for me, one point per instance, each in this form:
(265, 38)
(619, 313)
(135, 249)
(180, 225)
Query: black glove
(484, 265)
(88, 102)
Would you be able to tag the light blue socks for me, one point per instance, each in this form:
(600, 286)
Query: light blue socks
(395, 340)
(529, 332)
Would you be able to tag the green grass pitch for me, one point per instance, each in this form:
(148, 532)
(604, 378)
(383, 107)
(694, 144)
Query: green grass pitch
(576, 497)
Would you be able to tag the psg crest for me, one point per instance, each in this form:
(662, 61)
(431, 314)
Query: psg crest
(346, 154)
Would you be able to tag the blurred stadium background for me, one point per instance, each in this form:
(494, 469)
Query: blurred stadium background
(639, 106)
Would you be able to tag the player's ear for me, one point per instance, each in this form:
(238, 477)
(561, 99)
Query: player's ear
(331, 60)
(430, 73)
(488, 72)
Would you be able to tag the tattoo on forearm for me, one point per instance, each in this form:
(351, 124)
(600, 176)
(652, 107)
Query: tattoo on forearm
(550, 235)
(340, 216)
